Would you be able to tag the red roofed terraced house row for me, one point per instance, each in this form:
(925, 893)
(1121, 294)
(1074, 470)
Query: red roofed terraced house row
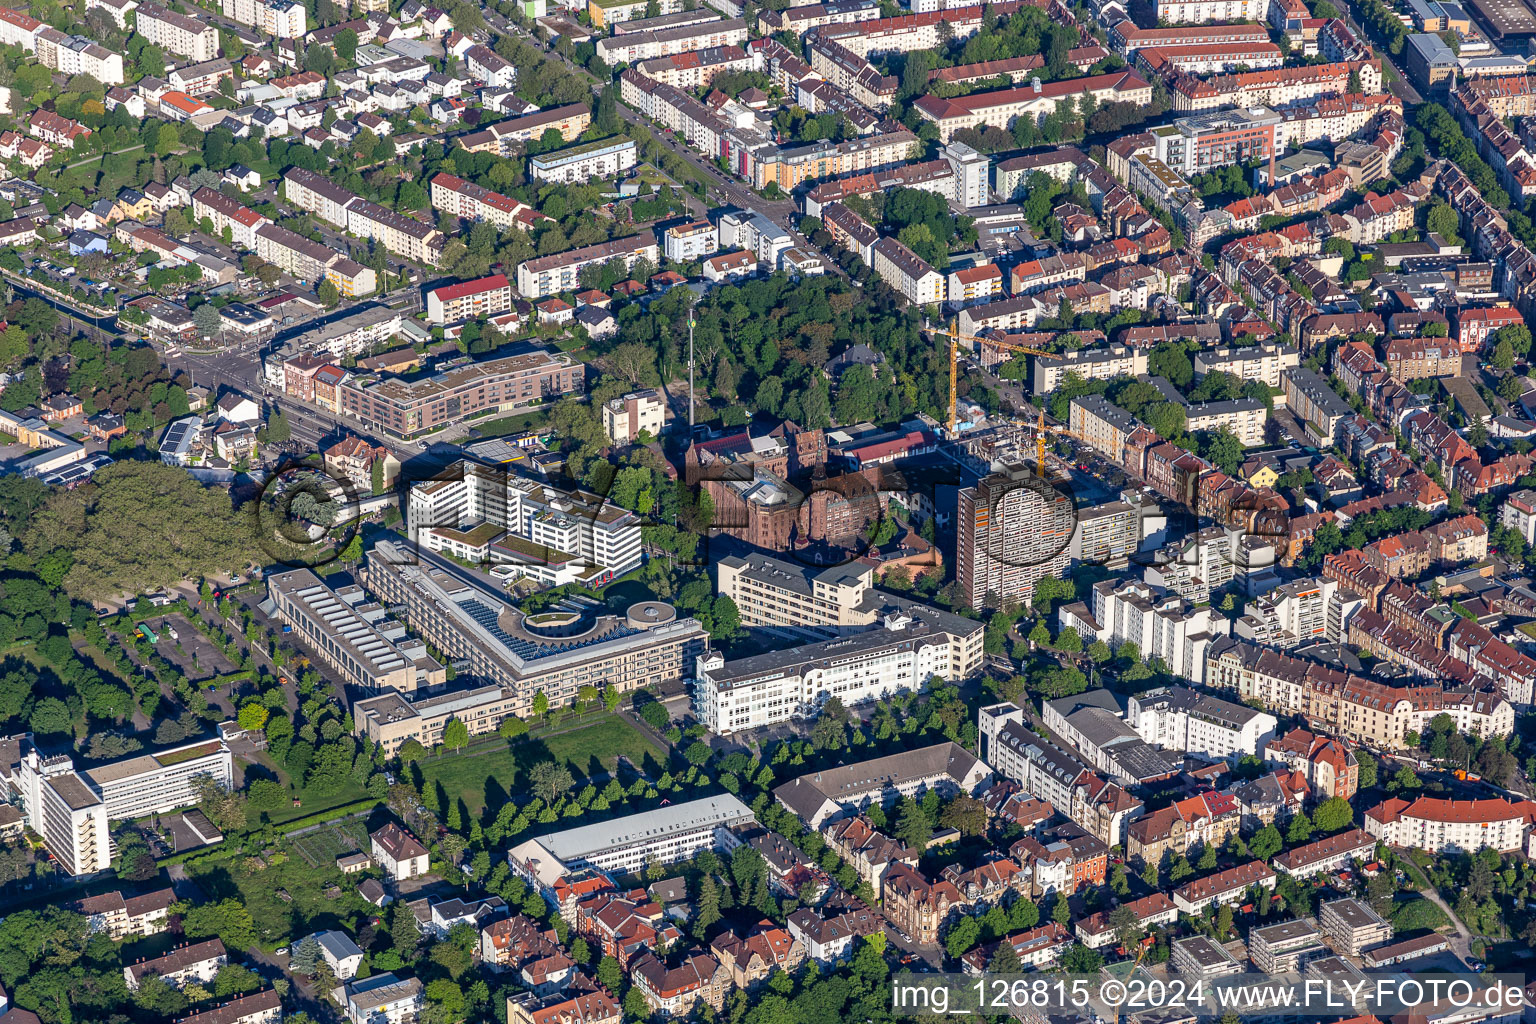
(1000, 108)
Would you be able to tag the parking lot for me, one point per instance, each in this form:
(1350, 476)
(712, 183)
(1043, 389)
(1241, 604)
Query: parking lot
(188, 649)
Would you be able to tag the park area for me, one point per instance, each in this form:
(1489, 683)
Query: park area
(488, 775)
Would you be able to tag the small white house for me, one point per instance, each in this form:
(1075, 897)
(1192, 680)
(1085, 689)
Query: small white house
(233, 407)
(340, 952)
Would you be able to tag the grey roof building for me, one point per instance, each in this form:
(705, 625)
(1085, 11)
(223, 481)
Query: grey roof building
(836, 792)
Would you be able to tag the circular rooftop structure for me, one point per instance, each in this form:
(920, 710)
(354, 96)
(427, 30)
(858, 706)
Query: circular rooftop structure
(648, 614)
(554, 624)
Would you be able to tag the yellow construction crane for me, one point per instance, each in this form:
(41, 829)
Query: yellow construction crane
(955, 337)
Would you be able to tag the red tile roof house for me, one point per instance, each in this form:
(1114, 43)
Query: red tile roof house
(675, 990)
(399, 853)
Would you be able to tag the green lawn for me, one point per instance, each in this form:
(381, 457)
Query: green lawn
(510, 424)
(310, 803)
(482, 778)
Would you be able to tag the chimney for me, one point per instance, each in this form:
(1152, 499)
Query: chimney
(1034, 83)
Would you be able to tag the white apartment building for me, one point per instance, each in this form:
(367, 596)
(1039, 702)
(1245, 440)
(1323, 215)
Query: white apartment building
(574, 522)
(18, 29)
(1327, 854)
(224, 212)
(601, 158)
(1352, 925)
(1432, 824)
(384, 999)
(265, 1007)
(60, 807)
(1178, 718)
(1104, 362)
(561, 272)
(907, 272)
(77, 55)
(1224, 887)
(666, 835)
(71, 809)
(1264, 362)
(633, 47)
(1519, 514)
(947, 768)
(685, 243)
(490, 67)
(1159, 624)
(755, 233)
(1046, 770)
(177, 33)
(469, 300)
(971, 170)
(1243, 418)
(1301, 610)
(1102, 424)
(901, 657)
(194, 963)
(281, 18)
(1203, 12)
(117, 10)
(626, 418)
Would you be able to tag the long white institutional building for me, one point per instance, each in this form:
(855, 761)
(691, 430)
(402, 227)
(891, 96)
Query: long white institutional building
(911, 647)
(72, 809)
(1434, 824)
(625, 845)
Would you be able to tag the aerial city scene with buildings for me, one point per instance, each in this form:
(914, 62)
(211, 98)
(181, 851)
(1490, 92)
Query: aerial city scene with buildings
(614, 511)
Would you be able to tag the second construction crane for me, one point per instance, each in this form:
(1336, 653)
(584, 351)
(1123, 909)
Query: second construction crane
(1040, 427)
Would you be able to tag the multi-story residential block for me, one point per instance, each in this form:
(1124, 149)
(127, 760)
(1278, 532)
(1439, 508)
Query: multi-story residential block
(1012, 530)
(1160, 624)
(946, 768)
(1519, 514)
(1182, 719)
(665, 835)
(1283, 948)
(609, 14)
(698, 69)
(399, 853)
(508, 137)
(601, 158)
(1223, 887)
(1274, 88)
(1205, 142)
(1039, 948)
(265, 1007)
(639, 412)
(685, 243)
(560, 272)
(908, 273)
(751, 958)
(595, 1007)
(472, 202)
(1367, 711)
(1202, 957)
(791, 167)
(633, 47)
(490, 67)
(1151, 911)
(1353, 926)
(1325, 855)
(469, 300)
(999, 109)
(871, 853)
(1104, 362)
(1465, 826)
(384, 999)
(1265, 362)
(177, 33)
(407, 408)
(281, 18)
(119, 916)
(192, 963)
(1315, 404)
(77, 55)
(902, 657)
(400, 234)
(117, 10)
(226, 213)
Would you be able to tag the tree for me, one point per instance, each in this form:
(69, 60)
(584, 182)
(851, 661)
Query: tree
(328, 294)
(228, 919)
(540, 704)
(912, 826)
(455, 734)
(1300, 829)
(511, 728)
(967, 815)
(549, 779)
(962, 938)
(1265, 843)
(253, 717)
(1332, 815)
(411, 750)
(206, 319)
(1367, 765)
(306, 957)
